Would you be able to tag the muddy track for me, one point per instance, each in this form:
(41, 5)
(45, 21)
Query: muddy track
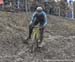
(59, 40)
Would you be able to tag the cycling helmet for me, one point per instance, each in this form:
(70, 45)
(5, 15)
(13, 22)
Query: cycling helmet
(39, 9)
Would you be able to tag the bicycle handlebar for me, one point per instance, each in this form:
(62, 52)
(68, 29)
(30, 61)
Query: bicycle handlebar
(37, 27)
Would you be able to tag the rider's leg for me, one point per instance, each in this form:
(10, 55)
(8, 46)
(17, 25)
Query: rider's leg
(30, 30)
(31, 26)
(41, 34)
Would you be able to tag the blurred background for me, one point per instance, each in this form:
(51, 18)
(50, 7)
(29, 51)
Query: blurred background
(64, 8)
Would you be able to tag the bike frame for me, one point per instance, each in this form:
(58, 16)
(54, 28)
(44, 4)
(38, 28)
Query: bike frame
(36, 34)
(35, 38)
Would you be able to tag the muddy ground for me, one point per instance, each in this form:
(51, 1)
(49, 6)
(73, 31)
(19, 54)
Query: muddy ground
(59, 40)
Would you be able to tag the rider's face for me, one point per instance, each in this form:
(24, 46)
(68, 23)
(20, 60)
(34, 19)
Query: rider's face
(39, 12)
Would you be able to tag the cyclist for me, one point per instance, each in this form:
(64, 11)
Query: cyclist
(39, 16)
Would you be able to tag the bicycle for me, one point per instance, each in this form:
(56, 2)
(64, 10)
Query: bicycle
(36, 38)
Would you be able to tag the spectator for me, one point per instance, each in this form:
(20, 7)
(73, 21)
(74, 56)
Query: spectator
(1, 4)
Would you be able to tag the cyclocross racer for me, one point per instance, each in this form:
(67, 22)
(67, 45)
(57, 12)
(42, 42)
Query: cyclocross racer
(39, 16)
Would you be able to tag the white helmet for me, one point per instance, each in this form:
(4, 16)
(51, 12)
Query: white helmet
(39, 9)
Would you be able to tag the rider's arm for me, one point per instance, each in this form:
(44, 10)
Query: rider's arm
(45, 17)
(33, 17)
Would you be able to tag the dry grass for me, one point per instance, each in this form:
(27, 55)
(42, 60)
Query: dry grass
(70, 26)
